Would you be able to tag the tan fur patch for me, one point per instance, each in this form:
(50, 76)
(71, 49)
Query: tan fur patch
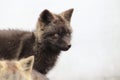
(16, 70)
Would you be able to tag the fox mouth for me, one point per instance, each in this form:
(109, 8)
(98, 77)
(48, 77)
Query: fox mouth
(58, 47)
(65, 48)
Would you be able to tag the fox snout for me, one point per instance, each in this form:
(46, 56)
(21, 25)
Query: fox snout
(67, 47)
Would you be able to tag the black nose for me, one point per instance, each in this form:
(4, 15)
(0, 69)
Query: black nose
(69, 46)
(65, 48)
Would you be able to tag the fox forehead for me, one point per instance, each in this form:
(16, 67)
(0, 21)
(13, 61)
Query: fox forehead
(59, 29)
(58, 19)
(9, 65)
(59, 25)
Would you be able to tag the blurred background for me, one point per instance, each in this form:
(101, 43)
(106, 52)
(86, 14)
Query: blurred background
(95, 51)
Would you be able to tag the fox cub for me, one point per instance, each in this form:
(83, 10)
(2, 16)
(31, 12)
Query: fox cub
(19, 70)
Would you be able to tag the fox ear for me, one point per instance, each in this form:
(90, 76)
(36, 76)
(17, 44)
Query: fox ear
(46, 16)
(27, 63)
(67, 14)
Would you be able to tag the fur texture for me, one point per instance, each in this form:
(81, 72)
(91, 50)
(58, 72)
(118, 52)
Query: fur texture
(19, 70)
(52, 35)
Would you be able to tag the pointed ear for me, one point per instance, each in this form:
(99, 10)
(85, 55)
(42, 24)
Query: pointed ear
(67, 14)
(46, 16)
(27, 63)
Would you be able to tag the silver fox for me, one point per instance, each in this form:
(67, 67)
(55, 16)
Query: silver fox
(52, 35)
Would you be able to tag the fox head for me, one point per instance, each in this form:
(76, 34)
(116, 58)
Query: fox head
(16, 70)
(55, 29)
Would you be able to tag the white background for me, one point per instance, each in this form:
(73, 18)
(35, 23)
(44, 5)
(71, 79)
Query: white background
(95, 51)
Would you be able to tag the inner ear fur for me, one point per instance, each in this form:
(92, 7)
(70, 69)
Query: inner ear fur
(46, 16)
(27, 63)
(68, 14)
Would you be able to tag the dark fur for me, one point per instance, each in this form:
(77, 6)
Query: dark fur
(53, 34)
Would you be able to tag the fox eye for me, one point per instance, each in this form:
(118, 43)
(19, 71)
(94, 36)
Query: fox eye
(56, 35)
(67, 34)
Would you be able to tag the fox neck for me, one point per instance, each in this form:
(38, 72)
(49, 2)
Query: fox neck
(45, 57)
